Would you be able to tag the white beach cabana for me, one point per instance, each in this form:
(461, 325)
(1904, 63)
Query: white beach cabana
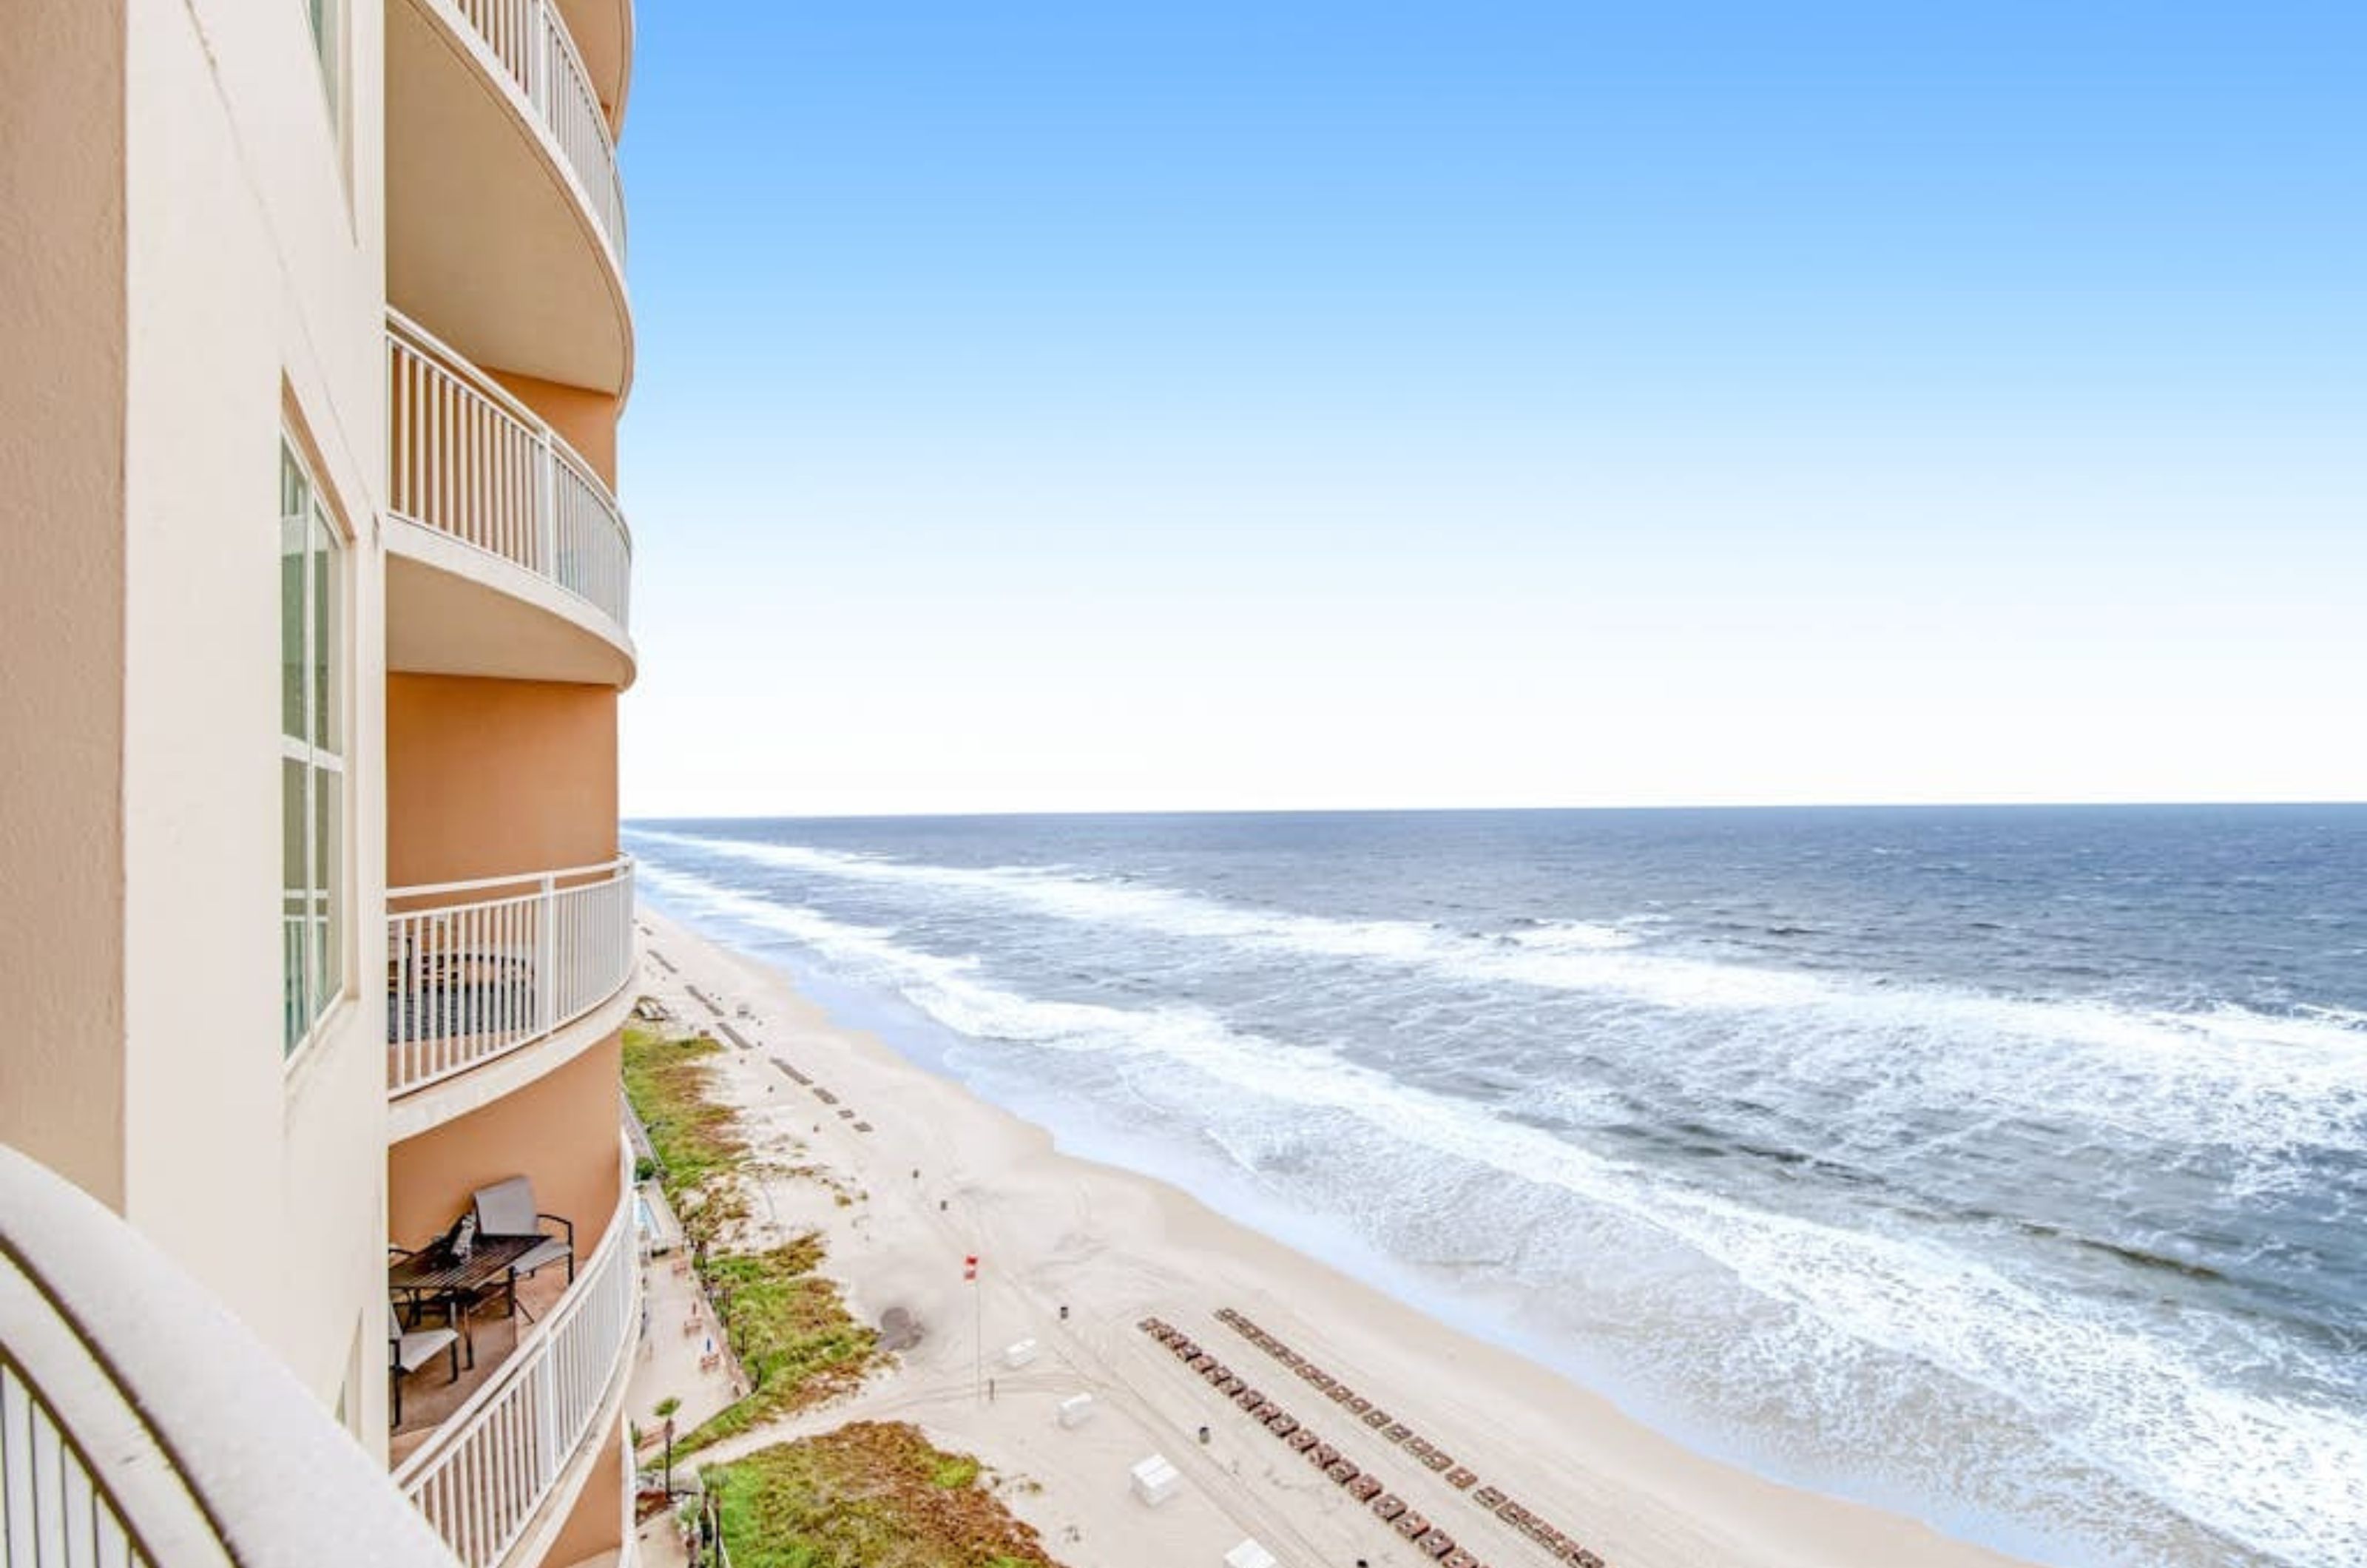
(1155, 1480)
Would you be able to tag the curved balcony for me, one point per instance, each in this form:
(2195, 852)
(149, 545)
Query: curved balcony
(533, 43)
(516, 1453)
(479, 970)
(505, 217)
(141, 1423)
(509, 557)
(603, 31)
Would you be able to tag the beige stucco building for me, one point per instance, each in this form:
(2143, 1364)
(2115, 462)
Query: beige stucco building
(312, 912)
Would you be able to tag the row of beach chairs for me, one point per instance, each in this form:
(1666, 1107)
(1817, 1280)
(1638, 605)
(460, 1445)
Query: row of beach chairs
(1344, 1472)
(1556, 1544)
(821, 1093)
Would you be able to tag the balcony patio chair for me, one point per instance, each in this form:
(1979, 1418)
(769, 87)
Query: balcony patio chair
(457, 1306)
(408, 1350)
(505, 1211)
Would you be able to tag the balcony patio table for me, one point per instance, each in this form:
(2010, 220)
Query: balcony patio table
(428, 1275)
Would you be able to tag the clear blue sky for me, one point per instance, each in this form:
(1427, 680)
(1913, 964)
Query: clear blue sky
(1288, 403)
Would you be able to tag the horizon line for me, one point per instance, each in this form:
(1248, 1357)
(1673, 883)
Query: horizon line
(2155, 804)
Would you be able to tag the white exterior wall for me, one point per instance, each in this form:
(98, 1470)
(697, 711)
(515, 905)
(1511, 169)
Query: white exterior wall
(255, 293)
(192, 258)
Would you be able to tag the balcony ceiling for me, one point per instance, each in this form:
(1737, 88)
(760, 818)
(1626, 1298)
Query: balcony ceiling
(490, 245)
(452, 609)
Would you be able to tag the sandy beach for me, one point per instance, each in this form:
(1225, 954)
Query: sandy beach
(1075, 1256)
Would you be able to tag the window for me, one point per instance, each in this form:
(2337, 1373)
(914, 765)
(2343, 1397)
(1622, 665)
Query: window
(312, 751)
(322, 16)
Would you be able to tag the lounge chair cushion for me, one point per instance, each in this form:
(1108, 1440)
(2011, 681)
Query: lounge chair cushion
(412, 1349)
(554, 1250)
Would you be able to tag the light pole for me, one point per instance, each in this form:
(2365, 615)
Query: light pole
(977, 1330)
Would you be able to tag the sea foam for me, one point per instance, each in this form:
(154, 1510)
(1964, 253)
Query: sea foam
(2268, 1085)
(2101, 1384)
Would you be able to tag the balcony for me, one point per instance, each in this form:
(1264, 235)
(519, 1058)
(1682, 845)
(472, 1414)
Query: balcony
(513, 1442)
(505, 217)
(481, 971)
(141, 1424)
(603, 31)
(538, 54)
(508, 556)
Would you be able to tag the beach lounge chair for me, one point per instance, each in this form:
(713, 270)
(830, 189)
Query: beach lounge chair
(408, 1350)
(505, 1211)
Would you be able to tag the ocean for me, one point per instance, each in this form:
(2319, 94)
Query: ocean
(2005, 1167)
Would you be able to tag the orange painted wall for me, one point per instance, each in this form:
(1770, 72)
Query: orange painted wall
(487, 778)
(63, 433)
(585, 418)
(561, 1131)
(596, 1523)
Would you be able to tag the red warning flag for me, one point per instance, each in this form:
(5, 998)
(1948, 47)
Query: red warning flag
(969, 1267)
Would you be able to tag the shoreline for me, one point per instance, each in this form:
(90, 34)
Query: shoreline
(1055, 1231)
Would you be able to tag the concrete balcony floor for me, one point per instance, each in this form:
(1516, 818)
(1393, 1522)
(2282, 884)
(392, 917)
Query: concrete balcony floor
(428, 1401)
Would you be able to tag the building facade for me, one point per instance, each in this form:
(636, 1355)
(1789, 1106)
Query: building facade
(310, 900)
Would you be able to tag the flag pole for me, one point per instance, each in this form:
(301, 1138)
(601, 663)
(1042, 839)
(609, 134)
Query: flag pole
(976, 1331)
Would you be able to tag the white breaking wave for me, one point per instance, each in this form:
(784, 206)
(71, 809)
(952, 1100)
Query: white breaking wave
(2285, 1478)
(1572, 936)
(2260, 1084)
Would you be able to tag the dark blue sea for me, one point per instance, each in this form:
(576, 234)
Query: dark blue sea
(2006, 1167)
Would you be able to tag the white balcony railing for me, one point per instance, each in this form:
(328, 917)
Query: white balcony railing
(477, 969)
(487, 1472)
(143, 1425)
(531, 40)
(468, 459)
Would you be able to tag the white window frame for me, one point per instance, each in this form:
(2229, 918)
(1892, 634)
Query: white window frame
(328, 895)
(328, 44)
(329, 50)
